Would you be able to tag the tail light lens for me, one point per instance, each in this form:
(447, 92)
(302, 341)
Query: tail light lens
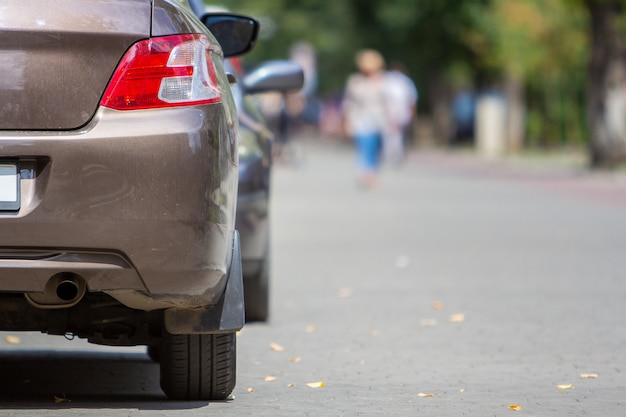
(164, 72)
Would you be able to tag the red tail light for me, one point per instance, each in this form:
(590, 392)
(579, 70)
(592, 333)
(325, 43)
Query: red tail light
(164, 72)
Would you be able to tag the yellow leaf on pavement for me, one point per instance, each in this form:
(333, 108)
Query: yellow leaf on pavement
(250, 389)
(421, 394)
(565, 386)
(437, 305)
(457, 318)
(276, 347)
(14, 340)
(269, 378)
(294, 359)
(589, 376)
(515, 407)
(319, 384)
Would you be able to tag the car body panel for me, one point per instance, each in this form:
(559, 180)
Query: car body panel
(45, 84)
(173, 16)
(140, 204)
(129, 196)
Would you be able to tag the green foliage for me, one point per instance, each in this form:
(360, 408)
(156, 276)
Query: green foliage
(544, 43)
(530, 38)
(328, 26)
(426, 35)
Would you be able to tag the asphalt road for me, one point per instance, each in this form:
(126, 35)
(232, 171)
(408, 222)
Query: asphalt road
(455, 287)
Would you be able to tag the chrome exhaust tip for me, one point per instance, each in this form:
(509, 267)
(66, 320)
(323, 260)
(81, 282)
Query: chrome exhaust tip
(62, 291)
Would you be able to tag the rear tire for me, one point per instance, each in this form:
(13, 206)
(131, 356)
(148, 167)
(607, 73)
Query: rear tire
(198, 366)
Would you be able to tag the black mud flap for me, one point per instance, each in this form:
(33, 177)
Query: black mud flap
(226, 317)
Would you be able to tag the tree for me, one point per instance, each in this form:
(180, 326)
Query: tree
(536, 47)
(606, 101)
(535, 50)
(427, 36)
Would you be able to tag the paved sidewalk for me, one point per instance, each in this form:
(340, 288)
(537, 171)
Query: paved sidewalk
(457, 287)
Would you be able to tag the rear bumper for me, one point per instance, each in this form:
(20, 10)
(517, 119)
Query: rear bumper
(139, 204)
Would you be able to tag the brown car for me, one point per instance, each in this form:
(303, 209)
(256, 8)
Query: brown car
(118, 181)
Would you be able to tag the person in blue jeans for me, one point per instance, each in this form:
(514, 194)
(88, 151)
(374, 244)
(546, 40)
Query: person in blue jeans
(366, 113)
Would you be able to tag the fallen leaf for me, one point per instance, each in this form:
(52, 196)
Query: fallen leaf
(319, 384)
(249, 389)
(345, 292)
(515, 407)
(421, 394)
(311, 328)
(437, 305)
(457, 318)
(428, 322)
(276, 347)
(589, 376)
(61, 400)
(14, 340)
(362, 362)
(565, 386)
(294, 359)
(290, 385)
(231, 397)
(462, 390)
(269, 378)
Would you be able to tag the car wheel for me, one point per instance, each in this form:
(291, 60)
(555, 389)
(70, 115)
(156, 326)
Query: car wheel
(198, 366)
(257, 295)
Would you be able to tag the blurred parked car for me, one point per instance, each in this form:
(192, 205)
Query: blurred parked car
(255, 161)
(118, 181)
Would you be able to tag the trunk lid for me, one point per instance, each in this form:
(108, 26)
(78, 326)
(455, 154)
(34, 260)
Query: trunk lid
(57, 58)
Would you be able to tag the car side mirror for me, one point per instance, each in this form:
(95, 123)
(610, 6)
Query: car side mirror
(237, 34)
(278, 76)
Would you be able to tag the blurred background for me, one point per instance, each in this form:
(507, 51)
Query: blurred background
(498, 76)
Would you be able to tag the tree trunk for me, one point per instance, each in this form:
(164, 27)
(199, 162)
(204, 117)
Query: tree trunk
(606, 89)
(516, 114)
(441, 109)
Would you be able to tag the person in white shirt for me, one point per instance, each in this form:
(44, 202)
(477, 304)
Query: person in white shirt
(402, 96)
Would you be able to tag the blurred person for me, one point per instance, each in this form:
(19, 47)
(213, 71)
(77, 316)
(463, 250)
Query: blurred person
(331, 123)
(464, 114)
(304, 103)
(365, 112)
(402, 97)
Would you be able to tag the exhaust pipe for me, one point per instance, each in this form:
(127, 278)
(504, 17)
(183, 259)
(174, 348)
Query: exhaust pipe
(61, 291)
(67, 290)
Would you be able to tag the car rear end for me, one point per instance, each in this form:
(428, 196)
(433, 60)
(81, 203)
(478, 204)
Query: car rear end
(118, 176)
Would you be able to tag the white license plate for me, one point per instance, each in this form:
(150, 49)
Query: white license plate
(9, 187)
